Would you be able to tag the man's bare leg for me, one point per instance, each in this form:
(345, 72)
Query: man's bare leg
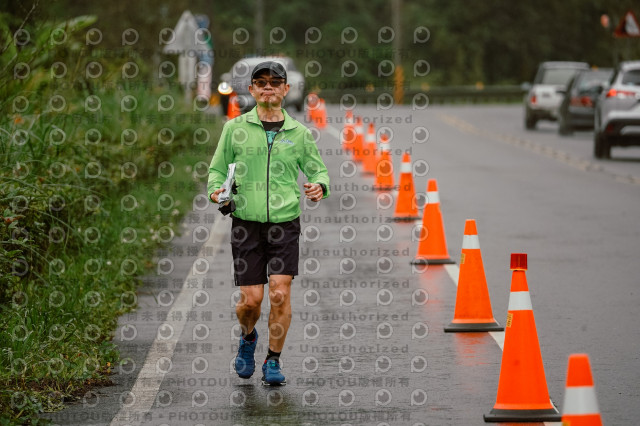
(280, 315)
(249, 305)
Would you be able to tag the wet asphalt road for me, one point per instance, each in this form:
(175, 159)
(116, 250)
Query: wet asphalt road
(366, 344)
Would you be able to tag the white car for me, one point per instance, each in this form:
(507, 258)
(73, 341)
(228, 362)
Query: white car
(617, 114)
(240, 79)
(548, 89)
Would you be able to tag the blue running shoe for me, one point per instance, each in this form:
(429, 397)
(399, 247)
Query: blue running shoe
(245, 363)
(271, 374)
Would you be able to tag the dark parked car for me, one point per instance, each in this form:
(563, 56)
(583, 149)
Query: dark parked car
(577, 107)
(545, 95)
(617, 114)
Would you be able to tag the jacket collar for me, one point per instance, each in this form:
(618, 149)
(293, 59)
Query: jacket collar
(289, 122)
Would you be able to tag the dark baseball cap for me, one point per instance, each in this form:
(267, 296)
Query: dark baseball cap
(275, 69)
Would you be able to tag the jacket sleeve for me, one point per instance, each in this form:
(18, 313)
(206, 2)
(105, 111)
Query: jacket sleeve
(311, 163)
(223, 156)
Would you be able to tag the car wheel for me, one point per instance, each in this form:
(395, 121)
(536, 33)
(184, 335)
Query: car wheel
(529, 121)
(564, 128)
(601, 146)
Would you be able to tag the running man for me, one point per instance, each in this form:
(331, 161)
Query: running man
(269, 148)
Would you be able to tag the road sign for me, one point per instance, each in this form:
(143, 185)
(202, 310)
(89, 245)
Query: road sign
(628, 26)
(188, 42)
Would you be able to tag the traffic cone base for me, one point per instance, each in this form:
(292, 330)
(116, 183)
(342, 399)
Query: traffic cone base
(432, 261)
(405, 218)
(542, 415)
(460, 326)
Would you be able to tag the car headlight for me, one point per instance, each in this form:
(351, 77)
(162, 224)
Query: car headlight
(225, 88)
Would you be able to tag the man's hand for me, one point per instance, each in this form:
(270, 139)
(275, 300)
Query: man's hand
(313, 191)
(214, 196)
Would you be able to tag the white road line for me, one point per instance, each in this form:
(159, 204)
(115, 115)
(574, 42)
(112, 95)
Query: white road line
(144, 391)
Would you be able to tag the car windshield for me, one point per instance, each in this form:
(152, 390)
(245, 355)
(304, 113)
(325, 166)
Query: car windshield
(631, 78)
(591, 80)
(558, 76)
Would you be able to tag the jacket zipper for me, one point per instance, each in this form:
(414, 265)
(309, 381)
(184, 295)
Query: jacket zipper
(269, 163)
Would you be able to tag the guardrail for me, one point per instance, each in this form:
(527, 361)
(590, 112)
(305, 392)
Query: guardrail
(436, 95)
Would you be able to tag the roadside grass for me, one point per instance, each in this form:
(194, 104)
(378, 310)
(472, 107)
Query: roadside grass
(57, 324)
(94, 179)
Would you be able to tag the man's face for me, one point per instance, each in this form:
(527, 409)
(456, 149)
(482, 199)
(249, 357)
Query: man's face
(268, 90)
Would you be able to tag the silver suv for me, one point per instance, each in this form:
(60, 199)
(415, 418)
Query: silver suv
(548, 89)
(617, 114)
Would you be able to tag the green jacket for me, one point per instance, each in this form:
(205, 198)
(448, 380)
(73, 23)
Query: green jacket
(267, 178)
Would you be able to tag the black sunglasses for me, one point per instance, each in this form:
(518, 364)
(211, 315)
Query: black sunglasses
(263, 83)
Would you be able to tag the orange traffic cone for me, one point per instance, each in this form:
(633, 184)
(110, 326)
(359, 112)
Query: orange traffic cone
(312, 106)
(348, 132)
(359, 142)
(580, 406)
(384, 168)
(473, 305)
(348, 135)
(523, 395)
(370, 152)
(432, 248)
(406, 208)
(348, 117)
(321, 115)
(233, 110)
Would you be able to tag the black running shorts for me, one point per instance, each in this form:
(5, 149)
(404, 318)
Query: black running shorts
(262, 249)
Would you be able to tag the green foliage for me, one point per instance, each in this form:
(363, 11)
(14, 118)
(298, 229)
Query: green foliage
(494, 42)
(79, 215)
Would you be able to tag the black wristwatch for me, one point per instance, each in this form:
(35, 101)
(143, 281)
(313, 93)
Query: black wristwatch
(324, 189)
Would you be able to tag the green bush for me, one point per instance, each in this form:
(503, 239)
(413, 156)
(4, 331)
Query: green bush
(79, 219)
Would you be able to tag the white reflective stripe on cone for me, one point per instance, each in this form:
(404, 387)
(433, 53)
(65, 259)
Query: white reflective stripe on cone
(580, 400)
(519, 301)
(371, 137)
(405, 167)
(433, 197)
(385, 147)
(470, 242)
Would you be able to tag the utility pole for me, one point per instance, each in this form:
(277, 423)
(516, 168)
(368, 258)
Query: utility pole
(398, 78)
(259, 27)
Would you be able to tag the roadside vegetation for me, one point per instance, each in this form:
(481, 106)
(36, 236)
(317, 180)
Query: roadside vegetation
(94, 178)
(498, 42)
